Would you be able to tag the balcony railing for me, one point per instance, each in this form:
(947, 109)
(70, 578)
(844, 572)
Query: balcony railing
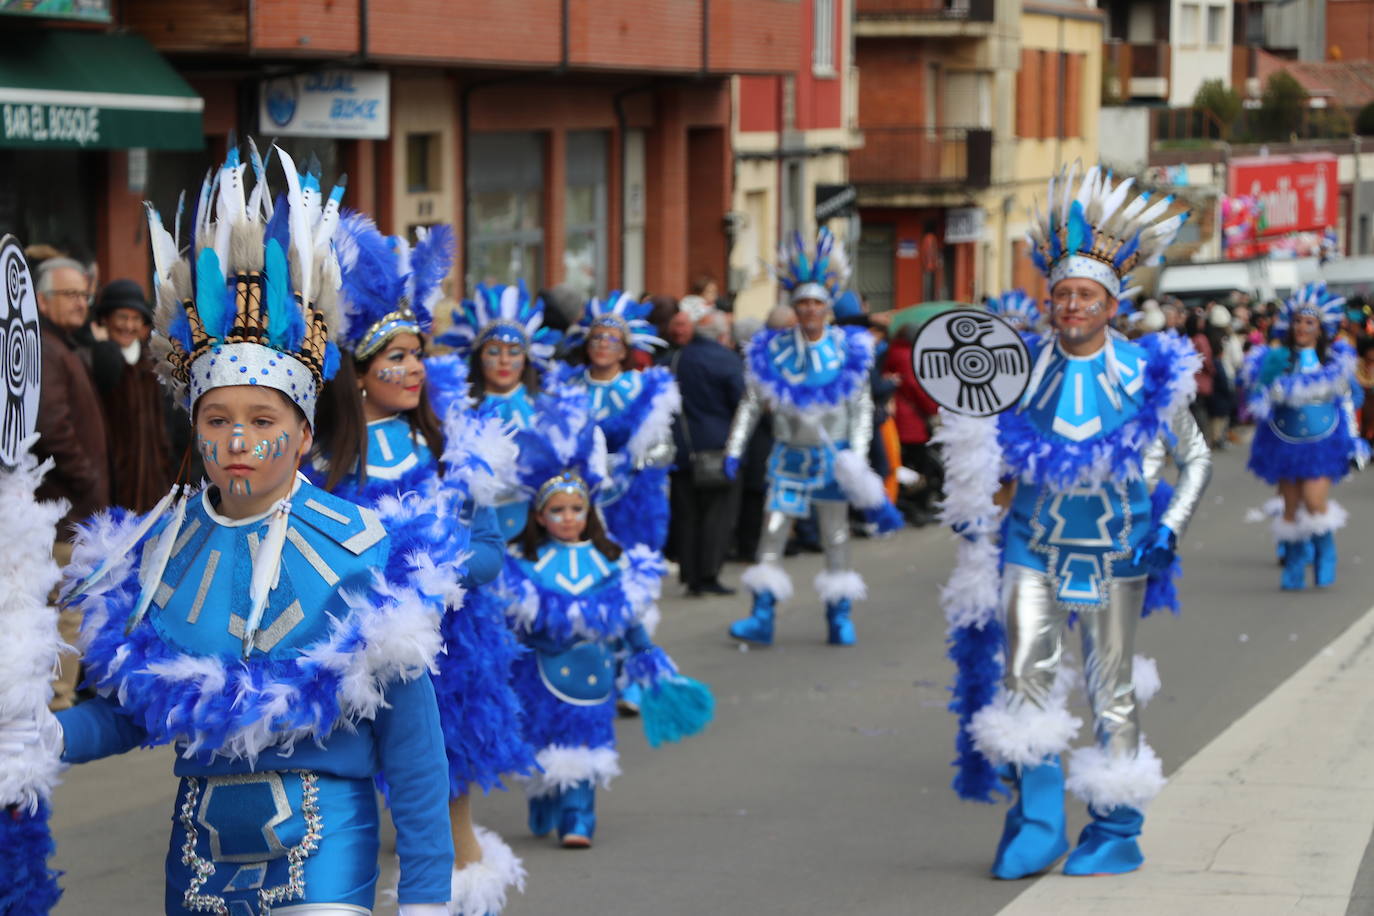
(959, 10)
(934, 157)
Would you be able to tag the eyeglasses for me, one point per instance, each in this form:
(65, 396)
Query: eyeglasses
(1065, 297)
(67, 294)
(605, 340)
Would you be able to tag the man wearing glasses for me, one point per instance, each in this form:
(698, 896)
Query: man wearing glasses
(71, 428)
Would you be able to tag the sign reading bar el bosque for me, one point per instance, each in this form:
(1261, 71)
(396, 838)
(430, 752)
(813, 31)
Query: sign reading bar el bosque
(86, 10)
(327, 103)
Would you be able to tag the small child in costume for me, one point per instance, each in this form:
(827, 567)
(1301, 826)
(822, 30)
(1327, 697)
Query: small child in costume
(570, 593)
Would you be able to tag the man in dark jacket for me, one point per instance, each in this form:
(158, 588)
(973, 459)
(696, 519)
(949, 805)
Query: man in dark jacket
(711, 378)
(71, 430)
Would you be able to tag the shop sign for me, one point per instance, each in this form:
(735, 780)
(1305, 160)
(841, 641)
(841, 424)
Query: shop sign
(835, 200)
(85, 10)
(964, 224)
(51, 125)
(327, 103)
(1292, 193)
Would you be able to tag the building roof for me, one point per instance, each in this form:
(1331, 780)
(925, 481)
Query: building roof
(1343, 84)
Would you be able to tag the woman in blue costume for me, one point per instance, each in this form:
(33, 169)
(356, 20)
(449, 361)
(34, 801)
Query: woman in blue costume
(500, 333)
(1020, 310)
(394, 425)
(276, 634)
(635, 410)
(1302, 396)
(570, 592)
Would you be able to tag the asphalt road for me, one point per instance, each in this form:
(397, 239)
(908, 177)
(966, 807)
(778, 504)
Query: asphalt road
(823, 784)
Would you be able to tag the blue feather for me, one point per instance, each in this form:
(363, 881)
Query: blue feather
(276, 295)
(976, 653)
(1126, 251)
(279, 226)
(29, 887)
(857, 347)
(676, 707)
(180, 331)
(331, 361)
(1080, 233)
(212, 294)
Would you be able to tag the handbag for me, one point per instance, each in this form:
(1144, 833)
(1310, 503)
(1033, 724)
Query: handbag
(708, 465)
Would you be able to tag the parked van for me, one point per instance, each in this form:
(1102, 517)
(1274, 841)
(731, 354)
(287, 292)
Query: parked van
(1262, 279)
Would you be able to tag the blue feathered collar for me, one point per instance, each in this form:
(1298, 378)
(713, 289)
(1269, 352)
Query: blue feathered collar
(761, 362)
(635, 406)
(221, 705)
(1275, 381)
(1042, 458)
(539, 607)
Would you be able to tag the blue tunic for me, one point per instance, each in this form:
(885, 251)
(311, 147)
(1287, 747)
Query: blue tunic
(262, 756)
(516, 409)
(1304, 414)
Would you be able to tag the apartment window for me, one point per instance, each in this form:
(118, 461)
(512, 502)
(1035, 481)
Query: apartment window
(968, 98)
(505, 208)
(1216, 21)
(1188, 24)
(584, 213)
(823, 34)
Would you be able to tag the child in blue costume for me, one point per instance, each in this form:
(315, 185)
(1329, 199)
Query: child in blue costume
(635, 410)
(569, 592)
(500, 333)
(1302, 396)
(275, 633)
(386, 420)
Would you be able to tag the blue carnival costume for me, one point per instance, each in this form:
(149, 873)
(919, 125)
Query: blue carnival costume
(635, 411)
(1020, 310)
(822, 415)
(1305, 428)
(389, 289)
(569, 604)
(285, 655)
(505, 314)
(1088, 524)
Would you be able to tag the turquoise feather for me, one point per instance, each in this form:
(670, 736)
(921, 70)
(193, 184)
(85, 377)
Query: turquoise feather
(277, 295)
(676, 707)
(212, 296)
(1080, 234)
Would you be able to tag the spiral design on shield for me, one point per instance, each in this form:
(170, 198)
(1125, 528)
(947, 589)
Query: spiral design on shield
(14, 282)
(20, 350)
(974, 365)
(964, 329)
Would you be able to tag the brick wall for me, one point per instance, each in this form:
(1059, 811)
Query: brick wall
(307, 27)
(756, 36)
(650, 34)
(892, 90)
(1350, 28)
(708, 183)
(760, 103)
(190, 25)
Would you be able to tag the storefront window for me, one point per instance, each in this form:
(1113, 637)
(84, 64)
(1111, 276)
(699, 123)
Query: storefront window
(48, 197)
(584, 213)
(505, 186)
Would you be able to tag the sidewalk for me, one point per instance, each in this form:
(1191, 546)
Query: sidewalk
(1272, 817)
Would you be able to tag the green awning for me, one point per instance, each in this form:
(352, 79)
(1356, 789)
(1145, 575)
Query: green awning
(62, 89)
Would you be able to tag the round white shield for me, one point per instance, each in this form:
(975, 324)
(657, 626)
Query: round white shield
(21, 351)
(971, 362)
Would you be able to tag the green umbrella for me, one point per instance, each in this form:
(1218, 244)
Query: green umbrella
(920, 314)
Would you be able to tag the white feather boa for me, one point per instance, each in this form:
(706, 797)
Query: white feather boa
(480, 888)
(1105, 781)
(28, 653)
(657, 427)
(973, 464)
(468, 437)
(861, 484)
(561, 767)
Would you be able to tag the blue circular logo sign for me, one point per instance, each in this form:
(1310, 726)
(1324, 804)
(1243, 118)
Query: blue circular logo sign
(281, 101)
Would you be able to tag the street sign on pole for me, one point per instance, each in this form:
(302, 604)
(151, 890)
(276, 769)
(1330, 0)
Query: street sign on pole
(834, 200)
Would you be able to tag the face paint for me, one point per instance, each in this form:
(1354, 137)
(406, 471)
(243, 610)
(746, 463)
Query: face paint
(392, 375)
(209, 451)
(238, 440)
(240, 487)
(266, 449)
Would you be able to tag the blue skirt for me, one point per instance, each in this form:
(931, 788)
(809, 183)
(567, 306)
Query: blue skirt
(298, 836)
(1273, 459)
(478, 709)
(550, 721)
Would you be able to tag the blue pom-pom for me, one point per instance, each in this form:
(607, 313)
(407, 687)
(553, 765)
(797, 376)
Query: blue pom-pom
(649, 667)
(29, 887)
(675, 708)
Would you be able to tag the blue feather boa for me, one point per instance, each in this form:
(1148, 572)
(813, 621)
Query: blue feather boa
(1161, 588)
(446, 383)
(977, 655)
(1272, 459)
(640, 515)
(604, 612)
(1047, 460)
(857, 346)
(1272, 382)
(235, 707)
(27, 886)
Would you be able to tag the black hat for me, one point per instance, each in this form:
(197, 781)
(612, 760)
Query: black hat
(123, 294)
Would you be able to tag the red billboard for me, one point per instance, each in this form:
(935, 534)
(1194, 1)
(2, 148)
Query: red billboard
(1288, 198)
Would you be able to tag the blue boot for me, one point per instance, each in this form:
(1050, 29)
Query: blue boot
(577, 816)
(543, 813)
(1107, 846)
(839, 626)
(1324, 558)
(1035, 834)
(758, 626)
(1296, 556)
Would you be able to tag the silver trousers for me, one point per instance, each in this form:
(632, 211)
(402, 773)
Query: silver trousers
(1035, 622)
(833, 520)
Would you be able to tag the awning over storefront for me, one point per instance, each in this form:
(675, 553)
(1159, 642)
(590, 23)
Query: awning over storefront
(64, 89)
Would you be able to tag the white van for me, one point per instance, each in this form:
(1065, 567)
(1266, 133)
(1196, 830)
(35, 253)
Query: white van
(1263, 279)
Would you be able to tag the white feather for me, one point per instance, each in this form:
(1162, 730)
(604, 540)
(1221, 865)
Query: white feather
(481, 887)
(861, 484)
(301, 239)
(770, 578)
(1106, 781)
(846, 585)
(1021, 733)
(266, 565)
(563, 767)
(658, 425)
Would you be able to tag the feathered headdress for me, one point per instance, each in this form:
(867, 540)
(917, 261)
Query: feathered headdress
(622, 311)
(501, 313)
(566, 452)
(388, 287)
(812, 273)
(1313, 299)
(1100, 231)
(253, 299)
(1020, 309)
